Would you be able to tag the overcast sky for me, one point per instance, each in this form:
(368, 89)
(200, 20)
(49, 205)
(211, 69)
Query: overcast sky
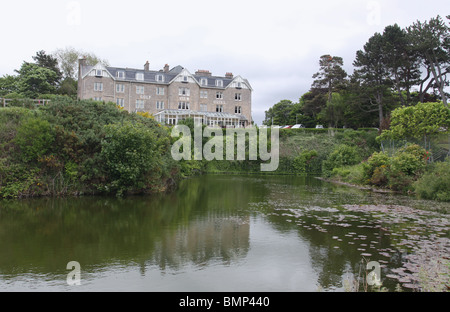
(276, 45)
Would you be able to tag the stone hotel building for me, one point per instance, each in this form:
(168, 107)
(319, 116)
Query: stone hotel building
(170, 95)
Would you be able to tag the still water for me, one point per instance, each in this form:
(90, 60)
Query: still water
(218, 233)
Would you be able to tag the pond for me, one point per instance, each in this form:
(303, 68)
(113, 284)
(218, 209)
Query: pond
(223, 233)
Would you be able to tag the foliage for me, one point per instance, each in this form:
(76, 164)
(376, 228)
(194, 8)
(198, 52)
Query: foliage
(435, 183)
(417, 121)
(128, 151)
(331, 76)
(430, 40)
(34, 138)
(76, 147)
(68, 61)
(396, 172)
(8, 85)
(378, 160)
(34, 80)
(306, 162)
(343, 155)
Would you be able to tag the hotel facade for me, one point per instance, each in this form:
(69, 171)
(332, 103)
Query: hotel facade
(170, 95)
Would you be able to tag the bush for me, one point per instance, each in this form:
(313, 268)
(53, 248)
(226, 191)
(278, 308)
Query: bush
(397, 172)
(343, 155)
(435, 183)
(305, 162)
(34, 137)
(131, 153)
(352, 174)
(410, 160)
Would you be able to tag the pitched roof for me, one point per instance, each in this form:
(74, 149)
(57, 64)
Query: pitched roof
(150, 76)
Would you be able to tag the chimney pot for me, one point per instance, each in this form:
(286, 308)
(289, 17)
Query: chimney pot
(202, 72)
(147, 66)
(166, 68)
(229, 75)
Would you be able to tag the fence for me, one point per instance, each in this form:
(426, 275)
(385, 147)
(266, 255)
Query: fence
(438, 146)
(23, 102)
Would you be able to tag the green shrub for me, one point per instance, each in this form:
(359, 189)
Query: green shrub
(305, 162)
(343, 155)
(130, 152)
(377, 160)
(435, 183)
(352, 174)
(410, 160)
(34, 137)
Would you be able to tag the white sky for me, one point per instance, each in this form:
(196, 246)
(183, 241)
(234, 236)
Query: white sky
(276, 45)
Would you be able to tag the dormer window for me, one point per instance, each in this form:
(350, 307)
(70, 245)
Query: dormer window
(99, 73)
(140, 76)
(219, 83)
(121, 74)
(159, 78)
(204, 81)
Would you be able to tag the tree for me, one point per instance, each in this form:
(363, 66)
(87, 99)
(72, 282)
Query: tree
(279, 114)
(130, 151)
(331, 76)
(9, 84)
(402, 63)
(334, 111)
(48, 61)
(421, 120)
(431, 40)
(68, 61)
(34, 80)
(372, 73)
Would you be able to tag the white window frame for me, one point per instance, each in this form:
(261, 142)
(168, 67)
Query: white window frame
(203, 94)
(159, 104)
(182, 105)
(159, 78)
(219, 108)
(140, 104)
(219, 95)
(140, 76)
(98, 86)
(238, 109)
(184, 91)
(99, 72)
(204, 81)
(159, 91)
(140, 90)
(219, 83)
(203, 107)
(120, 74)
(120, 102)
(120, 88)
(238, 97)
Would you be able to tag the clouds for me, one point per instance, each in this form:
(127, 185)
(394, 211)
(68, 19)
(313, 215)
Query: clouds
(276, 45)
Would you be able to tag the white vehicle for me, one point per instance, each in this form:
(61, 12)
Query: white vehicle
(319, 127)
(298, 126)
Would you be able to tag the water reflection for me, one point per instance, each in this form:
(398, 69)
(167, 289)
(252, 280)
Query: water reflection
(259, 232)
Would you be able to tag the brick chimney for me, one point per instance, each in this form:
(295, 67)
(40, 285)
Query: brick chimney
(229, 75)
(166, 68)
(147, 66)
(202, 72)
(81, 62)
